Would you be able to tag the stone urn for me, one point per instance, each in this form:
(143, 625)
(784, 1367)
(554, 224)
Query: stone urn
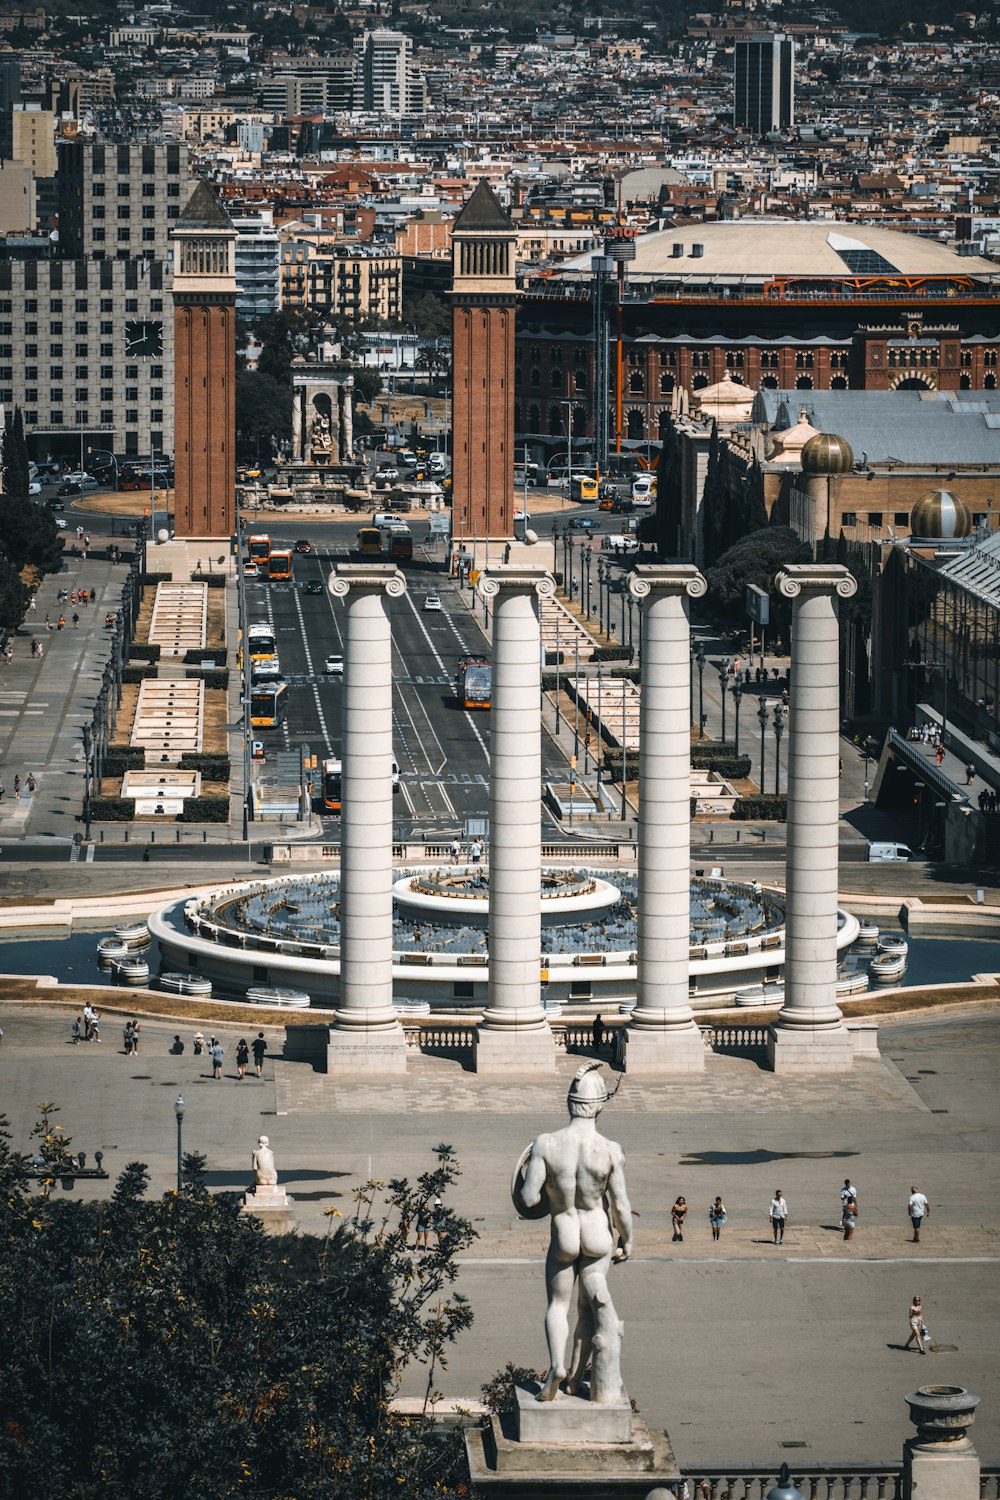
(942, 1414)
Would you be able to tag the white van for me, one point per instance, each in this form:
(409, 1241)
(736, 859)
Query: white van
(618, 542)
(889, 854)
(387, 518)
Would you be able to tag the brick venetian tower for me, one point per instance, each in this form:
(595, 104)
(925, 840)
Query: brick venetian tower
(204, 289)
(482, 425)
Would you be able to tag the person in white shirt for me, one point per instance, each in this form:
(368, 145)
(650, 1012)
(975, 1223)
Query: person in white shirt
(919, 1209)
(779, 1213)
(848, 1191)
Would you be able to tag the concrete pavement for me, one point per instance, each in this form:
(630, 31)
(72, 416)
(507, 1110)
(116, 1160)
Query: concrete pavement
(806, 1336)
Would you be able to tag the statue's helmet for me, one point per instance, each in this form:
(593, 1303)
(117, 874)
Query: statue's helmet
(588, 1093)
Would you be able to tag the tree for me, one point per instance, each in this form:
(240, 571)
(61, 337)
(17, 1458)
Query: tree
(755, 559)
(29, 535)
(430, 317)
(367, 385)
(280, 334)
(14, 596)
(712, 500)
(14, 457)
(168, 1348)
(263, 411)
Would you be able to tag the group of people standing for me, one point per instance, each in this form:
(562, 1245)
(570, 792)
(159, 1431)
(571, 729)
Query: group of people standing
(217, 1052)
(917, 1207)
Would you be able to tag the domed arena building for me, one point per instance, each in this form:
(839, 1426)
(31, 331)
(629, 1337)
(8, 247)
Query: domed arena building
(772, 304)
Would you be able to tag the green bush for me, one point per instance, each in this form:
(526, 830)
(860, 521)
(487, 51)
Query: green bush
(609, 653)
(212, 767)
(210, 580)
(216, 654)
(152, 579)
(705, 751)
(205, 810)
(134, 756)
(761, 809)
(112, 809)
(139, 651)
(613, 761)
(138, 674)
(218, 677)
(736, 765)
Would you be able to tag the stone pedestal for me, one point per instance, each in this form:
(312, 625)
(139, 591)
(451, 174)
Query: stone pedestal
(809, 1034)
(569, 1446)
(273, 1207)
(663, 1036)
(514, 1036)
(367, 1036)
(940, 1463)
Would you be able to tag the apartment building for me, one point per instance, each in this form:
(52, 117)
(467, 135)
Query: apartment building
(120, 201)
(341, 281)
(384, 77)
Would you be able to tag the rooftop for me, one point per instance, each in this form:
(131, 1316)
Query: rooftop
(914, 429)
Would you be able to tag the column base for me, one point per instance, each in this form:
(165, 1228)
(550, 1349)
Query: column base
(945, 1474)
(805, 1051)
(499, 1052)
(652, 1051)
(351, 1053)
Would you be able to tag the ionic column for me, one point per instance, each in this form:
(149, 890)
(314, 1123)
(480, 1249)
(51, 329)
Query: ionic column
(663, 1036)
(366, 1036)
(347, 423)
(514, 1036)
(809, 1034)
(296, 423)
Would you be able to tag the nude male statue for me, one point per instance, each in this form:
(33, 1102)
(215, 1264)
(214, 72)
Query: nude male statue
(578, 1176)
(263, 1164)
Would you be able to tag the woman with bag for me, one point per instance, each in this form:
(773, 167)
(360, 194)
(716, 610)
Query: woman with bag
(917, 1329)
(677, 1216)
(848, 1217)
(717, 1217)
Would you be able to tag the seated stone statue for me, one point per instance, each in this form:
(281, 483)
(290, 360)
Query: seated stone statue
(263, 1164)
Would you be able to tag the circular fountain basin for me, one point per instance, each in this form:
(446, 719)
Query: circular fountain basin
(459, 895)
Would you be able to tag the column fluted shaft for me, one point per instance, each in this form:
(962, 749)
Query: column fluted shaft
(813, 796)
(366, 778)
(664, 898)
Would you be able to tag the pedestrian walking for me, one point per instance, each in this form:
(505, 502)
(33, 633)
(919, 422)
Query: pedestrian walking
(717, 1216)
(127, 1038)
(848, 1217)
(93, 592)
(17, 786)
(424, 1216)
(61, 623)
(31, 783)
(217, 1050)
(95, 1027)
(476, 851)
(677, 1216)
(970, 774)
(242, 1058)
(918, 1329)
(259, 1048)
(88, 1021)
(176, 1047)
(919, 1210)
(34, 647)
(455, 851)
(76, 1030)
(41, 650)
(198, 1044)
(597, 1033)
(848, 1191)
(76, 621)
(32, 604)
(778, 1213)
(2, 791)
(939, 755)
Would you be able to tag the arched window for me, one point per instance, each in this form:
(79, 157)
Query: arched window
(534, 418)
(535, 376)
(555, 420)
(804, 383)
(555, 379)
(663, 425)
(771, 382)
(636, 382)
(580, 419)
(700, 381)
(666, 384)
(965, 383)
(517, 416)
(635, 425)
(989, 382)
(838, 383)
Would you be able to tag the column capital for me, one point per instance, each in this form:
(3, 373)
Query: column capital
(529, 578)
(370, 578)
(798, 578)
(666, 578)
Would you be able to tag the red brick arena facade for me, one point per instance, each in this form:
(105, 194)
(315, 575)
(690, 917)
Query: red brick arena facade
(805, 306)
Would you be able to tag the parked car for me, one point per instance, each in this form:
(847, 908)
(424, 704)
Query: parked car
(34, 487)
(60, 522)
(71, 487)
(251, 570)
(303, 545)
(334, 666)
(432, 603)
(314, 586)
(55, 504)
(387, 471)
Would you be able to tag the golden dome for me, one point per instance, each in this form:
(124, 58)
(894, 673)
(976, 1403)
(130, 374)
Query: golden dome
(826, 453)
(940, 516)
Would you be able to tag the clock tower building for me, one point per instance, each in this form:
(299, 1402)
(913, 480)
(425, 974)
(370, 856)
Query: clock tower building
(204, 292)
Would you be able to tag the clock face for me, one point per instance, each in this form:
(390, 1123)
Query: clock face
(143, 338)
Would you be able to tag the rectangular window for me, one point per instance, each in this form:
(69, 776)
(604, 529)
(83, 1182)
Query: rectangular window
(107, 417)
(156, 304)
(131, 304)
(173, 189)
(30, 371)
(875, 518)
(55, 305)
(132, 418)
(80, 396)
(82, 351)
(31, 326)
(97, 189)
(132, 394)
(98, 210)
(56, 393)
(123, 189)
(31, 304)
(107, 350)
(901, 518)
(55, 351)
(30, 417)
(55, 328)
(148, 235)
(82, 372)
(156, 416)
(149, 189)
(30, 350)
(98, 234)
(156, 393)
(107, 327)
(107, 371)
(107, 393)
(107, 304)
(31, 395)
(82, 305)
(56, 419)
(848, 518)
(82, 326)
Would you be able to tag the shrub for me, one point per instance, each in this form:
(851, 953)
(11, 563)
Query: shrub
(137, 674)
(218, 677)
(152, 579)
(736, 765)
(613, 761)
(143, 651)
(210, 580)
(134, 756)
(206, 810)
(609, 653)
(761, 809)
(216, 654)
(212, 767)
(702, 751)
(112, 809)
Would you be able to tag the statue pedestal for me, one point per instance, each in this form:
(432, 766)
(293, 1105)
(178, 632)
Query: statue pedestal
(569, 1446)
(273, 1207)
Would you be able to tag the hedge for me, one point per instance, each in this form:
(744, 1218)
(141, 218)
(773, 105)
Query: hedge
(703, 751)
(138, 674)
(738, 766)
(610, 653)
(613, 761)
(205, 810)
(143, 651)
(212, 767)
(216, 654)
(112, 809)
(210, 580)
(154, 578)
(761, 809)
(218, 677)
(133, 756)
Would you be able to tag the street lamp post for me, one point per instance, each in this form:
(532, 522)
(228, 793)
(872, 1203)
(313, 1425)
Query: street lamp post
(624, 747)
(762, 716)
(779, 724)
(558, 608)
(179, 1112)
(699, 661)
(631, 648)
(588, 559)
(723, 680)
(87, 747)
(737, 700)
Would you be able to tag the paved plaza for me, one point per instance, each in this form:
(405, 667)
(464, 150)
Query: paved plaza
(807, 1336)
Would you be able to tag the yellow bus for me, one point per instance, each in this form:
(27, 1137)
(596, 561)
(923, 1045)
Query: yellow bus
(331, 785)
(474, 682)
(279, 564)
(583, 487)
(369, 540)
(268, 704)
(260, 644)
